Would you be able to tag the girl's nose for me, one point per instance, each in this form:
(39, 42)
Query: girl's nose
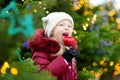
(66, 27)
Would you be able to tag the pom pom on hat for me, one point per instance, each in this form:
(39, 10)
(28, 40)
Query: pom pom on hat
(52, 19)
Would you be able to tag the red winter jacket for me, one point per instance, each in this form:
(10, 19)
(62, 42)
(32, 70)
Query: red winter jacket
(42, 48)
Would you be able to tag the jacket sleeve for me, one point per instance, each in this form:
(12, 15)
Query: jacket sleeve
(56, 67)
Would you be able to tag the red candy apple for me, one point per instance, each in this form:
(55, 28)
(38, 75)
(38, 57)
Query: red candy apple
(68, 40)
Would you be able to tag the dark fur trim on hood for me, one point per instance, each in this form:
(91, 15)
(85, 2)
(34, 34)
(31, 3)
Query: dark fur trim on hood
(41, 43)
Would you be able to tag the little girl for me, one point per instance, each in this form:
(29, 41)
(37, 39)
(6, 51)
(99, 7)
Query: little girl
(49, 46)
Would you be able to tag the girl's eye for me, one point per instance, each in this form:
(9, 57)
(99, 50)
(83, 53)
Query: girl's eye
(61, 25)
(70, 26)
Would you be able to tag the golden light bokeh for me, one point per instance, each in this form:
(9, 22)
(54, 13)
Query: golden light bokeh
(14, 71)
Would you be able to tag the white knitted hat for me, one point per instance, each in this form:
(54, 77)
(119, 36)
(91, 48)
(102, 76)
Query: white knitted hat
(52, 19)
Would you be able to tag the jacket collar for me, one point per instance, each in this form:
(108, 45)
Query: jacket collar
(42, 43)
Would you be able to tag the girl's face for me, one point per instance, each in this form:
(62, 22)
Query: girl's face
(63, 28)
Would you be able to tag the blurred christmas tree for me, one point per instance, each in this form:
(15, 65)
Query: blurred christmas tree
(96, 31)
(19, 19)
(98, 42)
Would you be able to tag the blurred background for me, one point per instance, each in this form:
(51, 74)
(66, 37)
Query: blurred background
(97, 31)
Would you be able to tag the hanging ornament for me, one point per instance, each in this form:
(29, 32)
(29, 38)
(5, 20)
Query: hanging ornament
(26, 23)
